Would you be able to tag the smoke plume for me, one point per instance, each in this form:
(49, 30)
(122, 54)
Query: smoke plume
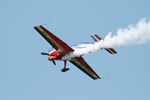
(134, 34)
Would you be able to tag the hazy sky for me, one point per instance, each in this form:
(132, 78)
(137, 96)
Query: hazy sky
(26, 75)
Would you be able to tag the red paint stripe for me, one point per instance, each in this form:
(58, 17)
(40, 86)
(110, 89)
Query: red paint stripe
(85, 67)
(52, 39)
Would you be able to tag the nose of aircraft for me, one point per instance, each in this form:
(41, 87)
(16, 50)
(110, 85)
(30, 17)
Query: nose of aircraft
(53, 55)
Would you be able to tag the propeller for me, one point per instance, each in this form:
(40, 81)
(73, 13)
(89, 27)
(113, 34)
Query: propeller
(43, 53)
(54, 62)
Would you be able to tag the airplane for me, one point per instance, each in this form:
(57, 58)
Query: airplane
(73, 54)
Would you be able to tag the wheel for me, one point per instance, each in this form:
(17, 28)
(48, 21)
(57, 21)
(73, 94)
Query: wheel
(65, 69)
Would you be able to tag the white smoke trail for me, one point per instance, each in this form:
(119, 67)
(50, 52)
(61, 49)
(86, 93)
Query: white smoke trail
(133, 34)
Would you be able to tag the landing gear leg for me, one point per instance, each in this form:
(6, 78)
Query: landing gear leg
(65, 69)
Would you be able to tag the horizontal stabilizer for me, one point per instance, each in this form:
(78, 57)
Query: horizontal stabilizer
(111, 50)
(92, 36)
(97, 38)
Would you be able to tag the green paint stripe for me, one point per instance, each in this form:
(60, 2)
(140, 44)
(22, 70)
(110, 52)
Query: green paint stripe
(51, 39)
(84, 68)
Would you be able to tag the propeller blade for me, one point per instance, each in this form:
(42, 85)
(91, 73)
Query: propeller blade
(43, 53)
(54, 62)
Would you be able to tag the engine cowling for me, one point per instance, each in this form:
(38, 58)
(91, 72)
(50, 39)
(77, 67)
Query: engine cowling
(56, 55)
(53, 55)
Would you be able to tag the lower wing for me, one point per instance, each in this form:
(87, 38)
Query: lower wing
(82, 65)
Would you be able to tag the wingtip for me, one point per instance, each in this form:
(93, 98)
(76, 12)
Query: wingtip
(37, 26)
(97, 78)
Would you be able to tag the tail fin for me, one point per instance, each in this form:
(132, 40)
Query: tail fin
(108, 36)
(97, 38)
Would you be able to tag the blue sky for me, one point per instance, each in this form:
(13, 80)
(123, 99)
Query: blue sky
(26, 75)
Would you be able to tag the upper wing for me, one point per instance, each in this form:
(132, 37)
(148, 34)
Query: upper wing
(82, 65)
(52, 39)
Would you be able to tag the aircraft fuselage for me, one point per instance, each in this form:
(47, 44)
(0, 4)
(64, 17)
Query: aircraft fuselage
(79, 50)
